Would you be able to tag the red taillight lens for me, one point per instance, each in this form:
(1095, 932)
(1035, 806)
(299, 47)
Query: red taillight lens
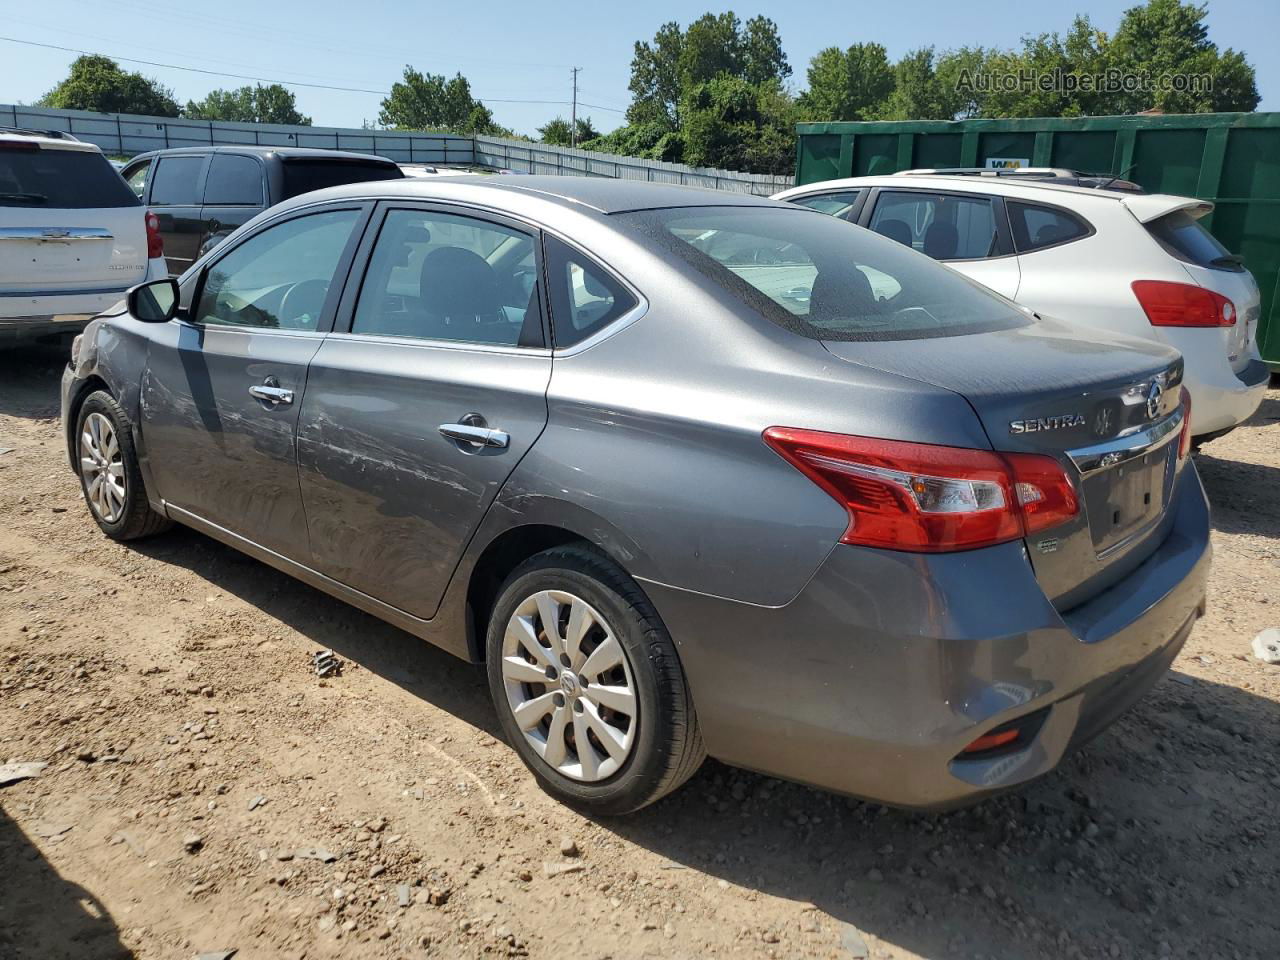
(155, 242)
(1184, 438)
(926, 498)
(991, 741)
(1169, 304)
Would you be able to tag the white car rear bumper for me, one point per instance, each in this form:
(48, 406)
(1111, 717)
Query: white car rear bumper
(1226, 399)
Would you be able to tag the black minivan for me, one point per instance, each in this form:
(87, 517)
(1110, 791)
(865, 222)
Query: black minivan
(200, 194)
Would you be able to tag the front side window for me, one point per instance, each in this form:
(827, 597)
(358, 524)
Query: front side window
(278, 279)
(834, 204)
(136, 177)
(1036, 227)
(585, 297)
(233, 180)
(824, 279)
(439, 276)
(176, 181)
(939, 225)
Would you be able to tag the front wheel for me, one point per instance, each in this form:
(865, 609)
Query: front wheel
(587, 684)
(109, 474)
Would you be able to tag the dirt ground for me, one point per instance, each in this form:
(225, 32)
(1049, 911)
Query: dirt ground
(205, 792)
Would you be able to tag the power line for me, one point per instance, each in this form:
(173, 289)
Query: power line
(286, 83)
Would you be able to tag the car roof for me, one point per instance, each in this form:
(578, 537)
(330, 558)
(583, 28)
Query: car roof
(599, 194)
(1004, 186)
(47, 139)
(263, 151)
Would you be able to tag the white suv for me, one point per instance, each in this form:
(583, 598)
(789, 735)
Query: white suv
(73, 236)
(1091, 250)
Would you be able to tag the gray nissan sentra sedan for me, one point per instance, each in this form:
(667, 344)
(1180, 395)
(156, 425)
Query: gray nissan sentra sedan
(692, 473)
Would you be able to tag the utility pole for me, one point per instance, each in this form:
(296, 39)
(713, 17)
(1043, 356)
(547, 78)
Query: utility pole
(573, 117)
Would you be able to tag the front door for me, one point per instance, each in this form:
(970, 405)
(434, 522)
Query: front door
(966, 231)
(223, 385)
(422, 401)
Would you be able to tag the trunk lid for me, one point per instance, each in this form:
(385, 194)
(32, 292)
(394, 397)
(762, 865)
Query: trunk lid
(1083, 396)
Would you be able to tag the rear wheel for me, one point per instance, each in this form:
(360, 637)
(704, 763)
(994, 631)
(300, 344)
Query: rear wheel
(109, 475)
(587, 684)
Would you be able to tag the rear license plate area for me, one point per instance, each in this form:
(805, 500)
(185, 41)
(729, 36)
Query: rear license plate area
(1129, 497)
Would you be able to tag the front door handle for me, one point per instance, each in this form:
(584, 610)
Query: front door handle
(477, 435)
(271, 392)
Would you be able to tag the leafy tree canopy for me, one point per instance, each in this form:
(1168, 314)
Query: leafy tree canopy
(430, 101)
(557, 132)
(258, 104)
(97, 83)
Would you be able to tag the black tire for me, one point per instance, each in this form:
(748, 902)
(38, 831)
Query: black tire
(136, 519)
(668, 746)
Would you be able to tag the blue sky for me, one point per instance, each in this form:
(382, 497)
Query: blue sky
(510, 51)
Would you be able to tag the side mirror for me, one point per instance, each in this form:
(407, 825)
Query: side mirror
(154, 302)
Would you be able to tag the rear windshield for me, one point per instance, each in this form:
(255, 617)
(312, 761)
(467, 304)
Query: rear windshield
(304, 175)
(824, 278)
(1186, 238)
(67, 179)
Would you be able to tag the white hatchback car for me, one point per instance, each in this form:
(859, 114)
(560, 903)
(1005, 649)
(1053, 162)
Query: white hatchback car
(73, 236)
(1090, 250)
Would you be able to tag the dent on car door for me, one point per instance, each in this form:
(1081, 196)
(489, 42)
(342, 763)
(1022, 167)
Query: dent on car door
(967, 232)
(422, 402)
(223, 383)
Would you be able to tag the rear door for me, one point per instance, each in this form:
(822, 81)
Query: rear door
(68, 223)
(423, 400)
(966, 231)
(223, 384)
(234, 193)
(177, 186)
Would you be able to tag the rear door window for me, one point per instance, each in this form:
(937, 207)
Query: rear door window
(1185, 237)
(304, 174)
(839, 204)
(585, 297)
(233, 180)
(69, 179)
(940, 225)
(1036, 227)
(176, 181)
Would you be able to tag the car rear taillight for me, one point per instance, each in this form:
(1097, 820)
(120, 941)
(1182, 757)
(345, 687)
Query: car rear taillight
(1184, 438)
(155, 242)
(1168, 304)
(925, 498)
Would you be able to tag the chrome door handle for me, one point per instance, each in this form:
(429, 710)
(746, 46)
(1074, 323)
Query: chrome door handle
(480, 436)
(271, 394)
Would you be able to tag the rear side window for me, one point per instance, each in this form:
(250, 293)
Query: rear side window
(585, 297)
(939, 225)
(175, 181)
(233, 179)
(302, 175)
(834, 204)
(1036, 227)
(821, 279)
(69, 179)
(1185, 237)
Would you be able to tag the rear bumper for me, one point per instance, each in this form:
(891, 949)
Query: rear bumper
(28, 317)
(887, 665)
(1227, 399)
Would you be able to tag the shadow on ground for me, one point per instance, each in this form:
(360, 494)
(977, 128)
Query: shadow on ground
(42, 915)
(30, 376)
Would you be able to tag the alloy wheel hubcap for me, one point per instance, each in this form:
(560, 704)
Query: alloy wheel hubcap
(569, 685)
(102, 467)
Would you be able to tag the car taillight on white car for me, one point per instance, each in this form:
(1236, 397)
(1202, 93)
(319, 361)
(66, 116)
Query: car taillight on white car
(1169, 304)
(155, 242)
(926, 498)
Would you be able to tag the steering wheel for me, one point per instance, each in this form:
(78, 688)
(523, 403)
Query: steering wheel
(303, 299)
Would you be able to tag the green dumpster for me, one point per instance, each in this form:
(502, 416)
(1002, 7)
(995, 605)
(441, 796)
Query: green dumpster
(1232, 159)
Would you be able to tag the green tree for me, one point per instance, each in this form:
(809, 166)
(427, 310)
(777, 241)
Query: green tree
(257, 104)
(1169, 37)
(734, 124)
(97, 83)
(848, 84)
(430, 101)
(557, 132)
(655, 78)
(918, 93)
